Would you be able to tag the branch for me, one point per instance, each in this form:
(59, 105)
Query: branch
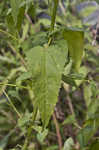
(57, 131)
(29, 19)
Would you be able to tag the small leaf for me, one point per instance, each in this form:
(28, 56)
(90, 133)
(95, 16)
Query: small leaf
(70, 119)
(4, 141)
(69, 80)
(15, 5)
(68, 68)
(86, 133)
(23, 121)
(20, 18)
(24, 76)
(41, 136)
(81, 75)
(10, 24)
(68, 145)
(54, 147)
(87, 94)
(17, 12)
(41, 133)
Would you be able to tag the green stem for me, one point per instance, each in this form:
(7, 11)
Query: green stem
(13, 85)
(8, 34)
(12, 105)
(29, 131)
(25, 145)
(53, 18)
(54, 11)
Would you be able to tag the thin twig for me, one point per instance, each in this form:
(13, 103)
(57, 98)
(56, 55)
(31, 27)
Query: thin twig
(66, 87)
(17, 54)
(5, 83)
(62, 8)
(29, 19)
(8, 34)
(57, 131)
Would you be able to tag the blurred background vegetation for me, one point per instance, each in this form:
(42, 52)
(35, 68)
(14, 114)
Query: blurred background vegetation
(77, 110)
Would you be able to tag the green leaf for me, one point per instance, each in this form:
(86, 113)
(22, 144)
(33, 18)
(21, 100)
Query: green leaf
(69, 80)
(24, 121)
(70, 119)
(47, 65)
(85, 12)
(84, 136)
(68, 68)
(41, 133)
(10, 24)
(25, 32)
(82, 73)
(24, 76)
(87, 94)
(75, 40)
(41, 136)
(88, 131)
(68, 145)
(53, 147)
(93, 109)
(20, 18)
(15, 5)
(4, 141)
(17, 12)
(94, 145)
(31, 10)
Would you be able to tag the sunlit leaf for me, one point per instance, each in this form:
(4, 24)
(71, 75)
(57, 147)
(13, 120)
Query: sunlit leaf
(68, 145)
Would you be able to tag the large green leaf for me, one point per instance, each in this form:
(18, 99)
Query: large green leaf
(47, 65)
(75, 40)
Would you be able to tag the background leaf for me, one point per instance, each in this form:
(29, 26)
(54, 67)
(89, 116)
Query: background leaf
(68, 145)
(75, 40)
(17, 12)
